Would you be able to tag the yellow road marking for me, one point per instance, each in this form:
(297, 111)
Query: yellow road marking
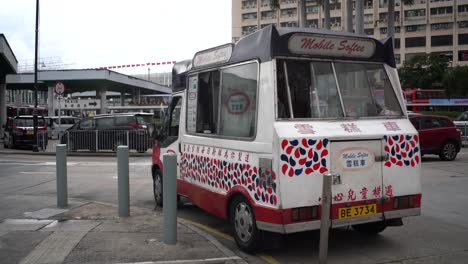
(209, 229)
(267, 258)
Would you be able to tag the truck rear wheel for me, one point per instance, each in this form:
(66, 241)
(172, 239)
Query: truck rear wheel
(243, 224)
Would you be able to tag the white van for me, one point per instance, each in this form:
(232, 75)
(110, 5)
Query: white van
(56, 128)
(255, 126)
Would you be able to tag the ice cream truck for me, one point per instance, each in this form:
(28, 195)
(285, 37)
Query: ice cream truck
(256, 124)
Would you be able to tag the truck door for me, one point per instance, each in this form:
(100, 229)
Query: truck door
(170, 139)
(357, 188)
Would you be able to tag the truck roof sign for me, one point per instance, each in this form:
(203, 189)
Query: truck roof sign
(319, 45)
(217, 55)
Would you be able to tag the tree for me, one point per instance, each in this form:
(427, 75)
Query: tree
(455, 81)
(424, 71)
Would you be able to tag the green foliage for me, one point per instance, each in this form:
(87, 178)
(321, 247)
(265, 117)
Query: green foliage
(456, 81)
(424, 71)
(274, 4)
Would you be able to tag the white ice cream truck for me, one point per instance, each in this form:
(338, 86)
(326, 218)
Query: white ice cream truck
(256, 124)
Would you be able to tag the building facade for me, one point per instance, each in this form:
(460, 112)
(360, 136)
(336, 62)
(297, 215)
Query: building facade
(426, 26)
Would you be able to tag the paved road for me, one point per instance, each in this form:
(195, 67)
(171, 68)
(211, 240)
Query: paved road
(27, 183)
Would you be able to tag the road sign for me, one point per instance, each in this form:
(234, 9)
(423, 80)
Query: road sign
(59, 88)
(59, 98)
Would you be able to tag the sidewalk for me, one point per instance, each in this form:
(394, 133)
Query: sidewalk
(93, 233)
(51, 151)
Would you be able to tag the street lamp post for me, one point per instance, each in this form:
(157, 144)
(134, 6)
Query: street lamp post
(36, 50)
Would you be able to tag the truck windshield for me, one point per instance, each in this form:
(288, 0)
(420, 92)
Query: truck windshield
(318, 89)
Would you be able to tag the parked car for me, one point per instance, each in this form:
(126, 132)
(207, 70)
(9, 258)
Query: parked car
(437, 135)
(461, 122)
(19, 131)
(53, 127)
(106, 132)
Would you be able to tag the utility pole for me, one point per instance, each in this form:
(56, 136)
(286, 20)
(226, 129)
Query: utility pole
(36, 56)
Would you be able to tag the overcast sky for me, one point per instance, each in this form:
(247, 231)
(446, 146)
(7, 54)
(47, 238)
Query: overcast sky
(97, 33)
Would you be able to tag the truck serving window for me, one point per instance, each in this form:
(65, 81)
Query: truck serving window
(311, 89)
(223, 102)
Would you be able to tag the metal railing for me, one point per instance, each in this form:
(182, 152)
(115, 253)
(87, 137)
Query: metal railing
(42, 139)
(106, 140)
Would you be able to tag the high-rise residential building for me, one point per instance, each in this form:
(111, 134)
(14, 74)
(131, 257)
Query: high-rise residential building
(426, 26)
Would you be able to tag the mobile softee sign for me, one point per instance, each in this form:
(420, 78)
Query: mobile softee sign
(331, 46)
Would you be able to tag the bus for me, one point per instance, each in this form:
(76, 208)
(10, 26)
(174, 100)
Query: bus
(422, 96)
(257, 125)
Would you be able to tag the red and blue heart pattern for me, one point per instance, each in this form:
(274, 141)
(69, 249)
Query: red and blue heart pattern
(403, 150)
(222, 175)
(303, 156)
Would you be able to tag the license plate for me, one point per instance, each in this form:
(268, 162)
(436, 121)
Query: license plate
(29, 132)
(356, 211)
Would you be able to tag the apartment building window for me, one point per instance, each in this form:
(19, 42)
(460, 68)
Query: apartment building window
(266, 25)
(463, 55)
(369, 31)
(312, 23)
(248, 29)
(446, 54)
(248, 16)
(289, 12)
(335, 21)
(384, 30)
(462, 24)
(249, 4)
(313, 9)
(415, 42)
(441, 26)
(285, 2)
(335, 6)
(397, 43)
(265, 3)
(289, 24)
(435, 1)
(441, 11)
(368, 19)
(462, 39)
(445, 40)
(383, 17)
(415, 28)
(268, 15)
(462, 8)
(384, 3)
(409, 56)
(368, 4)
(415, 13)
(417, 2)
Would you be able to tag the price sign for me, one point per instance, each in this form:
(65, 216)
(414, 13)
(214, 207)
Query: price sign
(59, 88)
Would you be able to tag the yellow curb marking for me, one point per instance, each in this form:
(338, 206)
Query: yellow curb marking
(267, 258)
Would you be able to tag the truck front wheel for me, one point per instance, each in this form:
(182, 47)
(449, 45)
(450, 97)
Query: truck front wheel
(243, 224)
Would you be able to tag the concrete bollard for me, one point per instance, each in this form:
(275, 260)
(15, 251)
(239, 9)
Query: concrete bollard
(123, 182)
(325, 217)
(170, 198)
(61, 171)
